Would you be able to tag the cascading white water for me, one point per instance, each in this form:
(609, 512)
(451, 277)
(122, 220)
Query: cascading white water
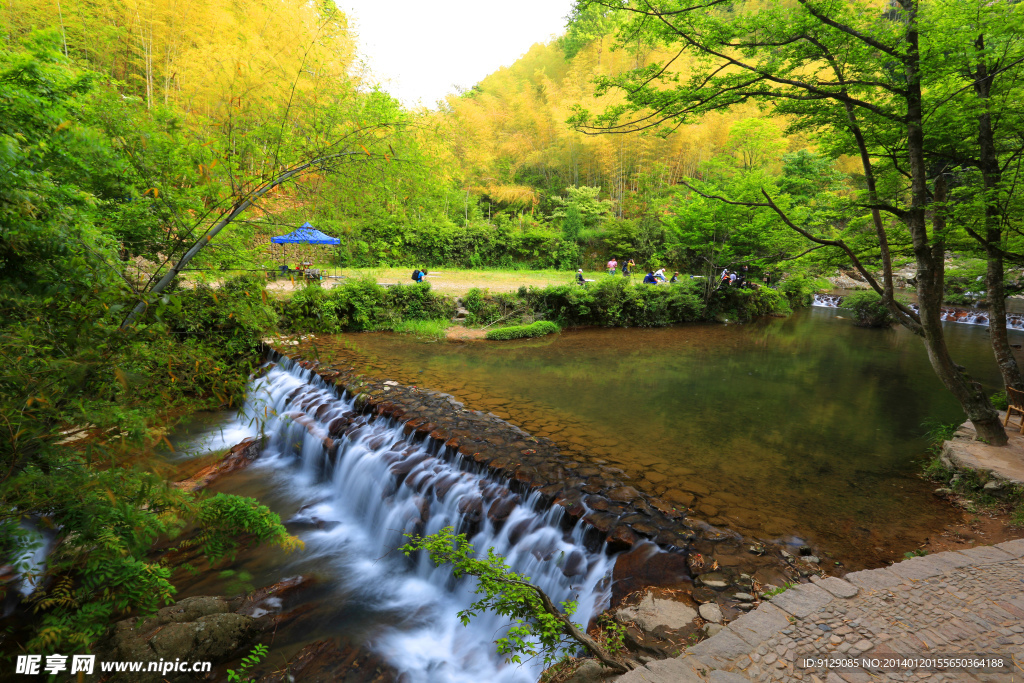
(1014, 321)
(827, 300)
(379, 484)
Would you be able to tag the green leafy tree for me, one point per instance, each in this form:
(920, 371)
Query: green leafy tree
(80, 400)
(853, 75)
(539, 627)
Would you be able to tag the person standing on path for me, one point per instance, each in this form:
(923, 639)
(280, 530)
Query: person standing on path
(627, 268)
(612, 265)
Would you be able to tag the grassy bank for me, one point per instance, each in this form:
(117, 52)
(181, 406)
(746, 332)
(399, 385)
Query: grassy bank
(607, 302)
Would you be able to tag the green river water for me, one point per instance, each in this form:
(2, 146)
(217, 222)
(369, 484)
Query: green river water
(804, 429)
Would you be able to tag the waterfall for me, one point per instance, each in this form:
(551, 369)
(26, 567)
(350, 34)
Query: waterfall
(1014, 321)
(375, 483)
(827, 300)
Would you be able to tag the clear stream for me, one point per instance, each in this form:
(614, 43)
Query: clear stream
(805, 429)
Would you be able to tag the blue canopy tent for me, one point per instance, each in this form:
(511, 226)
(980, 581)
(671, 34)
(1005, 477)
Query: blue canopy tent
(306, 234)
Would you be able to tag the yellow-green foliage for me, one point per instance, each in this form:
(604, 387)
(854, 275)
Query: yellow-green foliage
(537, 329)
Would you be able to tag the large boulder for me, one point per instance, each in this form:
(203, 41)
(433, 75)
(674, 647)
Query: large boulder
(200, 628)
(652, 614)
(197, 629)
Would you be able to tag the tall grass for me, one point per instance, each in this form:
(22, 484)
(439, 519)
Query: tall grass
(431, 330)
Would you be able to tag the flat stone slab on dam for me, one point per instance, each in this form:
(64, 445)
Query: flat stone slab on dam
(1002, 463)
(963, 603)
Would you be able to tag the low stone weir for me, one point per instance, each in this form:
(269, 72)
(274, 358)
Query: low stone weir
(615, 512)
(950, 314)
(370, 479)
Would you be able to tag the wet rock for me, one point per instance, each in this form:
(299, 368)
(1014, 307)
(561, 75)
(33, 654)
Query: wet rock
(621, 538)
(471, 508)
(710, 611)
(575, 564)
(702, 594)
(406, 466)
(591, 671)
(645, 529)
(653, 613)
(268, 600)
(306, 520)
(601, 521)
(715, 580)
(325, 661)
(500, 509)
(646, 565)
(595, 502)
(623, 494)
(551, 491)
(238, 457)
(518, 530)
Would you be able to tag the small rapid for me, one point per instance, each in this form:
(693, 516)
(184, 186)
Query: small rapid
(965, 316)
(366, 484)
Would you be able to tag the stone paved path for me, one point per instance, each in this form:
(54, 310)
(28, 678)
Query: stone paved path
(964, 602)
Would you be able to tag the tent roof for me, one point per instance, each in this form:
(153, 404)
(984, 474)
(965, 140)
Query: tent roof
(307, 234)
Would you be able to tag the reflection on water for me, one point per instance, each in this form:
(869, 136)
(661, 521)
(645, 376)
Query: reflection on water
(805, 428)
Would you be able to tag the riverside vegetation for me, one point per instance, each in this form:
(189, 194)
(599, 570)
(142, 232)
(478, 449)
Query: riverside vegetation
(132, 146)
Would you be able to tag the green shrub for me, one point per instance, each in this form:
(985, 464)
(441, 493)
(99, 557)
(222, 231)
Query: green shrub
(868, 308)
(433, 330)
(537, 329)
(482, 308)
(362, 305)
(999, 400)
(800, 289)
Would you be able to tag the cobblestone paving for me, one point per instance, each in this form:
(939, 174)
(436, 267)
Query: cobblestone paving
(969, 602)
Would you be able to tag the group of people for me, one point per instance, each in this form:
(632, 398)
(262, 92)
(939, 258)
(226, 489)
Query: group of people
(653, 277)
(733, 278)
(728, 277)
(657, 277)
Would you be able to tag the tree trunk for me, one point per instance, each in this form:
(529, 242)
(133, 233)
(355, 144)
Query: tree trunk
(930, 254)
(991, 175)
(997, 315)
(930, 286)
